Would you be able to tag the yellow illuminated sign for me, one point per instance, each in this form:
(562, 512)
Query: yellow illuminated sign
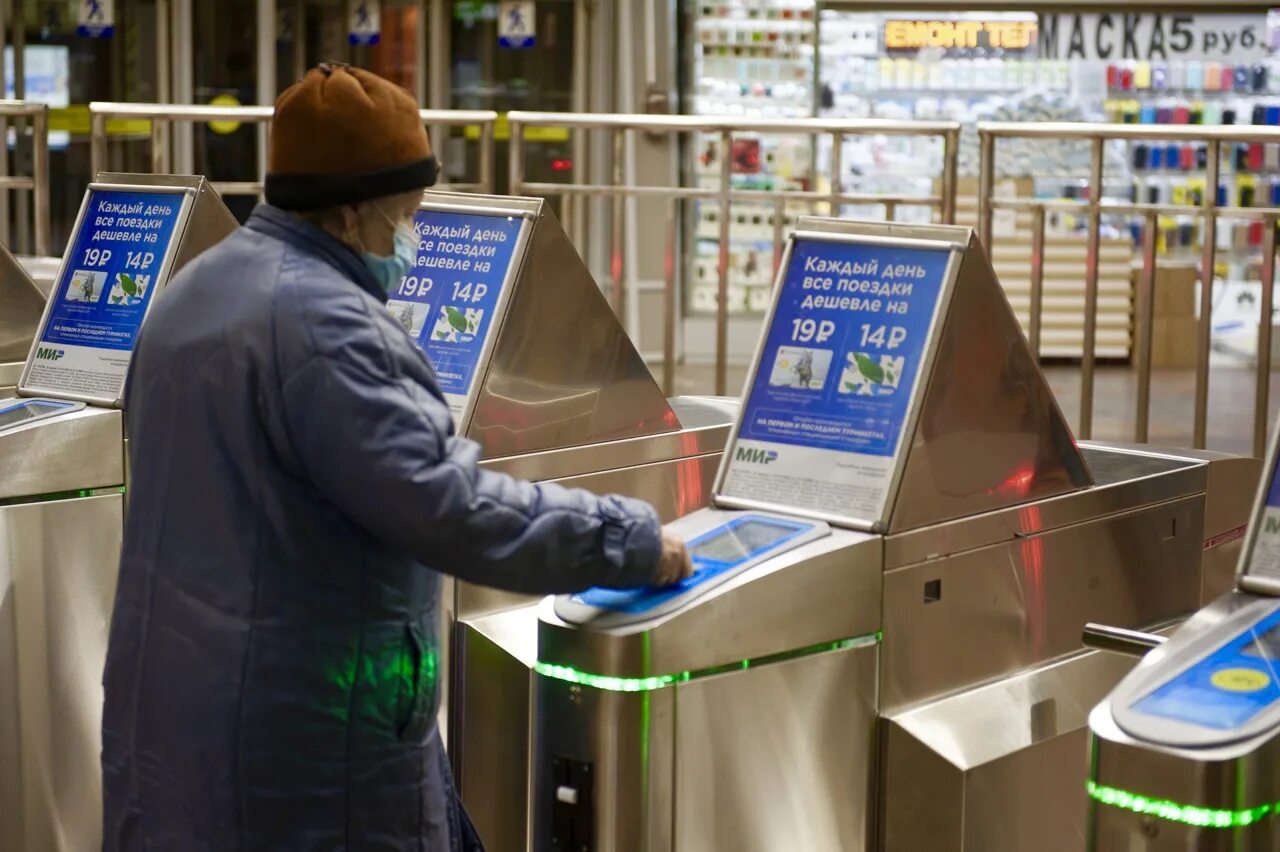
(917, 34)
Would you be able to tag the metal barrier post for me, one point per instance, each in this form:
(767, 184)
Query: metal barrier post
(1261, 406)
(617, 263)
(986, 186)
(950, 171)
(1205, 338)
(1144, 332)
(40, 182)
(837, 173)
(1091, 289)
(722, 268)
(670, 261)
(1036, 312)
(97, 144)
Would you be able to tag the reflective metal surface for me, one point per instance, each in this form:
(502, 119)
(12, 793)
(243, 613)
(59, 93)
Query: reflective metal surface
(43, 271)
(1004, 608)
(562, 370)
(989, 432)
(21, 305)
(1232, 778)
(798, 735)
(60, 558)
(84, 449)
(998, 767)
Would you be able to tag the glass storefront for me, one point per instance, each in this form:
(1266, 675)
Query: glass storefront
(782, 58)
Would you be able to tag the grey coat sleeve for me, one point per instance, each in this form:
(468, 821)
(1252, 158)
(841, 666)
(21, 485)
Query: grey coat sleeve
(375, 441)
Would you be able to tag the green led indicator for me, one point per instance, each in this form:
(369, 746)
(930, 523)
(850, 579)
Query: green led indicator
(1192, 815)
(609, 683)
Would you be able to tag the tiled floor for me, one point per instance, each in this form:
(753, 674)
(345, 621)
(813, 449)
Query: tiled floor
(1231, 396)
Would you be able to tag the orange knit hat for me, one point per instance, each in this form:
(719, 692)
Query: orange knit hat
(343, 135)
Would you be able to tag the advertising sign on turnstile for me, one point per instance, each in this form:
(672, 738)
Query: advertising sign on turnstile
(120, 254)
(453, 299)
(836, 381)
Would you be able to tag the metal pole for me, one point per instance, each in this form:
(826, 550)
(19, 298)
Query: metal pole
(1037, 280)
(300, 40)
(722, 270)
(986, 184)
(1261, 404)
(40, 177)
(164, 73)
(487, 155)
(159, 158)
(97, 144)
(1207, 262)
(1089, 344)
(890, 211)
(619, 217)
(670, 262)
(515, 154)
(4, 135)
(837, 171)
(23, 204)
(267, 87)
(779, 221)
(1145, 335)
(950, 168)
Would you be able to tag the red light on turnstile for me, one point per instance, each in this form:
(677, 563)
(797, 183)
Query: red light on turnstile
(561, 165)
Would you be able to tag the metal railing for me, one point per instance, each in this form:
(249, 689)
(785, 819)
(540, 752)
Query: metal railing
(1094, 208)
(161, 116)
(37, 183)
(622, 129)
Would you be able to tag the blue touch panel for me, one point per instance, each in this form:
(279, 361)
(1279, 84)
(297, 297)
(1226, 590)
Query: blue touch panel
(845, 346)
(447, 302)
(715, 552)
(1227, 688)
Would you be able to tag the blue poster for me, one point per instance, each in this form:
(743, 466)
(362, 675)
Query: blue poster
(447, 302)
(845, 346)
(824, 414)
(109, 275)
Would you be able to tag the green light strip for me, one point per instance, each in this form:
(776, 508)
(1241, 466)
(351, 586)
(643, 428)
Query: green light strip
(648, 684)
(1174, 812)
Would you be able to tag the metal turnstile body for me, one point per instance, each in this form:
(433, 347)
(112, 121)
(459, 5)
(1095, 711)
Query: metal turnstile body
(1185, 751)
(911, 681)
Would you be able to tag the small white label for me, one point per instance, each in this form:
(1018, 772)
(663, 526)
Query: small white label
(567, 795)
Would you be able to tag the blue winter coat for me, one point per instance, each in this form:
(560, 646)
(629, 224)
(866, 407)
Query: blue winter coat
(297, 491)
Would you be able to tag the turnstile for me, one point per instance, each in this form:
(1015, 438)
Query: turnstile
(62, 480)
(880, 648)
(1185, 751)
(540, 373)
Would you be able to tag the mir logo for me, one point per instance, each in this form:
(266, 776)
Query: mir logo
(48, 353)
(756, 456)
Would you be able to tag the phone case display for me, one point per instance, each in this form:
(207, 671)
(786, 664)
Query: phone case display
(752, 58)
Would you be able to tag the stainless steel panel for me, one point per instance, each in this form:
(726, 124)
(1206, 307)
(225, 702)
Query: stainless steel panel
(491, 724)
(21, 306)
(562, 371)
(9, 374)
(1000, 609)
(627, 740)
(62, 557)
(67, 453)
(779, 606)
(997, 768)
(1125, 479)
(989, 433)
(778, 757)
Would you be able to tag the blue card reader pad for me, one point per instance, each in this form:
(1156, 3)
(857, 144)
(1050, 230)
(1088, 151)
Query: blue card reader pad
(714, 553)
(1227, 688)
(17, 412)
